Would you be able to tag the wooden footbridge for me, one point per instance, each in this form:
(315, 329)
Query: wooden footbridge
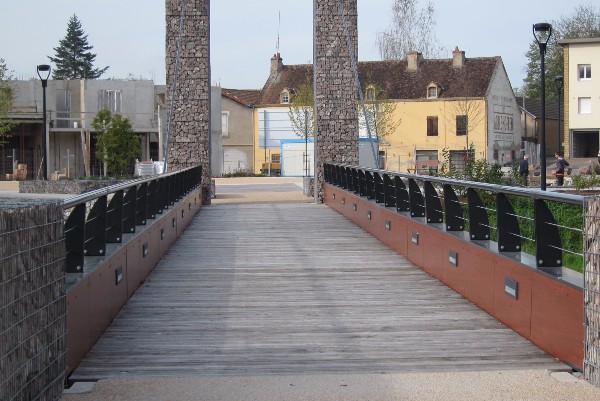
(296, 288)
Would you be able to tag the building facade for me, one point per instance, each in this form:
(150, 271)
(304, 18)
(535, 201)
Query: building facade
(581, 100)
(442, 109)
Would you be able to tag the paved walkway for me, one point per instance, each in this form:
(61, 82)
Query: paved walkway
(510, 384)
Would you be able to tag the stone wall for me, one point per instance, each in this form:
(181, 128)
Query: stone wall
(336, 104)
(74, 187)
(591, 291)
(32, 300)
(189, 142)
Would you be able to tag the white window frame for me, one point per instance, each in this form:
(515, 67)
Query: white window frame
(584, 72)
(285, 97)
(224, 123)
(110, 99)
(584, 105)
(432, 92)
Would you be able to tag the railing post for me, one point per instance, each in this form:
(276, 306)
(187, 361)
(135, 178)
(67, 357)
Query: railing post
(379, 189)
(509, 233)
(548, 245)
(417, 202)
(114, 219)
(479, 224)
(75, 239)
(433, 204)
(455, 220)
(402, 197)
(129, 208)
(141, 204)
(389, 191)
(95, 229)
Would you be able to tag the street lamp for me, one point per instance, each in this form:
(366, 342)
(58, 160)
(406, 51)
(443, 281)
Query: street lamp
(44, 69)
(559, 88)
(542, 33)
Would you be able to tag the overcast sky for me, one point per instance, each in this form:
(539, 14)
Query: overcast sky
(128, 35)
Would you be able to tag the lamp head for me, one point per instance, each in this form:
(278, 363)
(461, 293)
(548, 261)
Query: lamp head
(542, 33)
(45, 70)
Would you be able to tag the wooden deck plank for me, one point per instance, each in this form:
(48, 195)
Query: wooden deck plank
(296, 289)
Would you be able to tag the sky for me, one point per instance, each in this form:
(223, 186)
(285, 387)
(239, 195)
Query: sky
(129, 35)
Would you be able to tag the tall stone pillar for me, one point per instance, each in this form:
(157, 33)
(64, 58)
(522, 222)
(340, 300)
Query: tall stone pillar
(336, 104)
(189, 136)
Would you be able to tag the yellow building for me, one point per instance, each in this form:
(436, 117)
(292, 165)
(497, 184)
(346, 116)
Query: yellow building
(440, 107)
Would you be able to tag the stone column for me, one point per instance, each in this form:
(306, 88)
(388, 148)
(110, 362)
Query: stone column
(189, 136)
(336, 104)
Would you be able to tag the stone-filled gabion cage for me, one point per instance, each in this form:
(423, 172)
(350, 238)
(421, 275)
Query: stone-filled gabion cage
(591, 295)
(32, 300)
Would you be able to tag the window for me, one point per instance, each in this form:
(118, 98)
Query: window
(432, 92)
(275, 158)
(432, 126)
(63, 109)
(461, 125)
(585, 71)
(585, 105)
(225, 123)
(370, 94)
(285, 97)
(110, 99)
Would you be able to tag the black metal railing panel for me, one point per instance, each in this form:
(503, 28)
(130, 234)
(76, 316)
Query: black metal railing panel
(75, 239)
(455, 220)
(509, 232)
(95, 229)
(114, 219)
(433, 204)
(417, 201)
(389, 192)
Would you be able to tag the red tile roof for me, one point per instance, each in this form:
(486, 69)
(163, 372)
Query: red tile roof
(246, 97)
(472, 80)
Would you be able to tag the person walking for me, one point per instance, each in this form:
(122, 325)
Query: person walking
(524, 169)
(560, 169)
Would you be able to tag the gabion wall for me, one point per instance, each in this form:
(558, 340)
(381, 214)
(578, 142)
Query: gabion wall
(32, 300)
(189, 142)
(591, 295)
(336, 104)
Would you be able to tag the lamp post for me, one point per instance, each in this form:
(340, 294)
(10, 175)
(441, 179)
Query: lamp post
(559, 88)
(542, 33)
(43, 71)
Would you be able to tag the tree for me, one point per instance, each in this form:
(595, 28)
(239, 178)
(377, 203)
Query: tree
(302, 117)
(378, 113)
(584, 22)
(411, 30)
(116, 143)
(73, 59)
(7, 96)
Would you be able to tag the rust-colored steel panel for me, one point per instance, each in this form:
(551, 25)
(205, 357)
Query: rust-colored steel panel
(78, 324)
(169, 232)
(557, 319)
(478, 272)
(515, 313)
(134, 267)
(451, 270)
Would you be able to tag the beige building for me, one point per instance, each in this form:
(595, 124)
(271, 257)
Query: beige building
(582, 97)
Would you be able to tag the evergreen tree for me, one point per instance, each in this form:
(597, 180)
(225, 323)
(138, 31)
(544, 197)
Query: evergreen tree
(73, 58)
(583, 23)
(6, 99)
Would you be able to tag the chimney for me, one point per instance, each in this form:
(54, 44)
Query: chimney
(276, 64)
(458, 58)
(413, 59)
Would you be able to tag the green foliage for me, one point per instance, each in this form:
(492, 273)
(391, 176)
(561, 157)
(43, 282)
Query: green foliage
(583, 181)
(73, 59)
(301, 110)
(474, 170)
(584, 22)
(7, 97)
(241, 173)
(117, 144)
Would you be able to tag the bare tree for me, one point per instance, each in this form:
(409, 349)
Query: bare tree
(412, 29)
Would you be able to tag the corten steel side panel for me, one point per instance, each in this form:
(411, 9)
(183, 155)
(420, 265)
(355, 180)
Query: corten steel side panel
(557, 319)
(78, 323)
(415, 251)
(169, 232)
(432, 242)
(515, 313)
(134, 269)
(478, 267)
(455, 275)
(106, 296)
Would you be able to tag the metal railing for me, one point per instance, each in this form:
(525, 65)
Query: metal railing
(94, 220)
(485, 210)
